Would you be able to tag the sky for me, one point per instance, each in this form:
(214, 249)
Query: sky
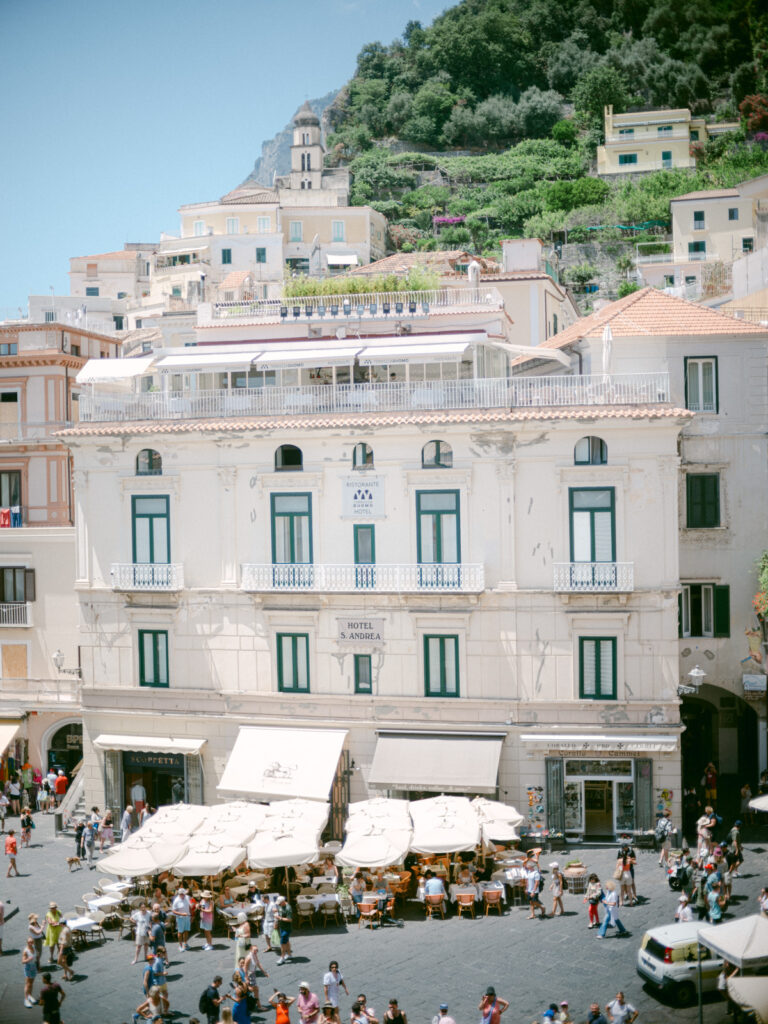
(115, 114)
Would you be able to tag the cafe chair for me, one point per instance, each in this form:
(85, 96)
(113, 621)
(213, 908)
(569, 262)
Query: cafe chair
(369, 913)
(97, 916)
(305, 913)
(433, 904)
(330, 910)
(492, 898)
(465, 901)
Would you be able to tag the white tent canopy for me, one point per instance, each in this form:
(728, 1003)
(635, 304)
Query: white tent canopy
(760, 803)
(751, 994)
(743, 942)
(113, 371)
(205, 856)
(498, 822)
(375, 848)
(444, 824)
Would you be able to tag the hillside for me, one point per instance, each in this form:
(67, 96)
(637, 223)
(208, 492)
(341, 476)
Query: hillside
(276, 152)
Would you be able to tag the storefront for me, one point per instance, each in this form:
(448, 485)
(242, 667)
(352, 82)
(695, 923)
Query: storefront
(150, 770)
(65, 748)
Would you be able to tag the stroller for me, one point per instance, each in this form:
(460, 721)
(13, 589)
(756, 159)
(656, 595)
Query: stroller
(679, 872)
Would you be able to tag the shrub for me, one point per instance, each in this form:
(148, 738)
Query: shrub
(627, 287)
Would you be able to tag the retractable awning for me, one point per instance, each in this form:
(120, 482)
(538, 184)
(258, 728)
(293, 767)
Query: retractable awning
(99, 370)
(436, 348)
(272, 762)
(584, 743)
(150, 744)
(330, 356)
(336, 259)
(437, 762)
(8, 731)
(202, 361)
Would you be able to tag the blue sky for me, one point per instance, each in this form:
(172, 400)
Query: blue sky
(113, 115)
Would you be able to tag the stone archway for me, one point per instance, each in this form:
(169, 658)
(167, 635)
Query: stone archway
(60, 748)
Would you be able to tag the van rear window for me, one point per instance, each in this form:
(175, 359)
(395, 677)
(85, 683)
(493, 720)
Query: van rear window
(655, 949)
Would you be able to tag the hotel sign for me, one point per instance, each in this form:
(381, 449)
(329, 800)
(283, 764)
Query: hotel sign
(363, 496)
(361, 630)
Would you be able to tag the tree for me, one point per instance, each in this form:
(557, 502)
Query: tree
(743, 82)
(537, 112)
(626, 288)
(581, 274)
(754, 112)
(567, 62)
(598, 88)
(565, 132)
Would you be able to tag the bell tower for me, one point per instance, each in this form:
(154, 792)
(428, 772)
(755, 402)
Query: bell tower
(307, 150)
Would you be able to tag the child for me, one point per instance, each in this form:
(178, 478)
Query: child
(556, 888)
(27, 824)
(593, 897)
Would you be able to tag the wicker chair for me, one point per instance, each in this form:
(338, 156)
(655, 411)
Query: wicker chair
(329, 910)
(369, 913)
(465, 901)
(492, 898)
(305, 912)
(433, 904)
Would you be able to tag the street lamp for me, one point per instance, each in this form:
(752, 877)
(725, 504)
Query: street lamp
(696, 675)
(58, 660)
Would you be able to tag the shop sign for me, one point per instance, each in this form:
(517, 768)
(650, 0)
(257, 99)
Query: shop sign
(363, 496)
(141, 759)
(753, 682)
(74, 739)
(362, 630)
(568, 751)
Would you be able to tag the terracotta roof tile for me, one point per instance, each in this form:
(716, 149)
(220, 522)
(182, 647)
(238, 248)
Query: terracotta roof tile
(234, 279)
(371, 420)
(121, 254)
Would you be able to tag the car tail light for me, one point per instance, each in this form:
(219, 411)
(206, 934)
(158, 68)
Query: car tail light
(667, 954)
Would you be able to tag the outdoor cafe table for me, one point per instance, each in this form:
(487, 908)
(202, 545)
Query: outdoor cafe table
(104, 902)
(117, 887)
(319, 880)
(320, 899)
(80, 927)
(476, 890)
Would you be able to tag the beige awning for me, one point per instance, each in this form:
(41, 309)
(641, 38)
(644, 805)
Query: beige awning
(437, 762)
(8, 731)
(341, 259)
(150, 744)
(97, 371)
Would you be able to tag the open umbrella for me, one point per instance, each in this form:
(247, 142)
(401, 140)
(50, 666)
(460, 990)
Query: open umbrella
(379, 811)
(236, 822)
(498, 821)
(444, 824)
(375, 848)
(142, 856)
(759, 803)
(208, 857)
(174, 820)
(283, 847)
(310, 813)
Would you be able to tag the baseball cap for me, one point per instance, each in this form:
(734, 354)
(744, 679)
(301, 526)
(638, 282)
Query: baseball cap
(304, 984)
(443, 1006)
(549, 1013)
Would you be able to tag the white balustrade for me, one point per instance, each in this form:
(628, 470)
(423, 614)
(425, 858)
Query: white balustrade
(147, 576)
(594, 577)
(391, 396)
(18, 613)
(392, 579)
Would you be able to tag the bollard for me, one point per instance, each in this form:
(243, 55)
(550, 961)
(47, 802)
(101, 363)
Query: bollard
(58, 822)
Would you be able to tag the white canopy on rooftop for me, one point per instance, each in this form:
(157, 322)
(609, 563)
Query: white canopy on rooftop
(330, 355)
(97, 371)
(204, 360)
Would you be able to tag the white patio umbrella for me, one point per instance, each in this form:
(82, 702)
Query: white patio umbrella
(310, 813)
(759, 803)
(283, 847)
(142, 855)
(751, 993)
(205, 856)
(234, 823)
(380, 811)
(444, 824)
(498, 821)
(375, 848)
(174, 820)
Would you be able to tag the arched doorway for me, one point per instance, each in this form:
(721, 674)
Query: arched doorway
(65, 747)
(720, 727)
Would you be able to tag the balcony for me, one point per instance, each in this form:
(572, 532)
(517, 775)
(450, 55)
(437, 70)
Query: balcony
(19, 613)
(147, 576)
(465, 578)
(391, 396)
(594, 577)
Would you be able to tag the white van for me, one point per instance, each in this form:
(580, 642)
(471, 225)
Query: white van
(667, 960)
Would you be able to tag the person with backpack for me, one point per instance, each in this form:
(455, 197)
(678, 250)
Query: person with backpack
(210, 1000)
(592, 899)
(664, 832)
(534, 883)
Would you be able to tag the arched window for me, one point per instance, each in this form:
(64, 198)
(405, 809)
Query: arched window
(590, 451)
(149, 463)
(362, 456)
(309, 161)
(437, 455)
(303, 162)
(288, 457)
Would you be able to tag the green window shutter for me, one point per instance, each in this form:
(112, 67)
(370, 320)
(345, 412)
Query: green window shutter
(644, 816)
(555, 777)
(722, 602)
(30, 590)
(680, 615)
(703, 500)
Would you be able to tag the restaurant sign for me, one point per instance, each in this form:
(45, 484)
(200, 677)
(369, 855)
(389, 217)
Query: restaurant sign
(361, 630)
(363, 496)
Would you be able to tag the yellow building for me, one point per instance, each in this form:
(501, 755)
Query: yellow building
(654, 140)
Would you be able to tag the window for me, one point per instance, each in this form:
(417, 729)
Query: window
(747, 245)
(363, 674)
(293, 662)
(666, 158)
(701, 384)
(337, 231)
(74, 350)
(288, 457)
(664, 128)
(17, 585)
(669, 280)
(441, 666)
(50, 316)
(627, 158)
(364, 536)
(704, 609)
(592, 524)
(702, 500)
(590, 451)
(295, 229)
(153, 657)
(92, 291)
(10, 486)
(309, 162)
(176, 291)
(151, 530)
(149, 463)
(627, 131)
(694, 134)
(362, 456)
(291, 529)
(733, 213)
(8, 348)
(262, 225)
(436, 455)
(233, 225)
(697, 250)
(438, 540)
(698, 220)
(122, 295)
(554, 323)
(91, 270)
(226, 256)
(261, 254)
(597, 668)
(198, 228)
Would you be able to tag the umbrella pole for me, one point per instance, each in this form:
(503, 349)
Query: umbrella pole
(698, 982)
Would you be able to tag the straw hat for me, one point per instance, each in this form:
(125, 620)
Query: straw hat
(53, 906)
(206, 894)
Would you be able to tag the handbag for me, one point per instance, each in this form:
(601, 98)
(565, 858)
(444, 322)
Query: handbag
(274, 939)
(618, 870)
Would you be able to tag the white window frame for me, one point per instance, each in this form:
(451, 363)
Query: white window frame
(263, 225)
(698, 365)
(198, 228)
(338, 231)
(707, 609)
(296, 231)
(233, 225)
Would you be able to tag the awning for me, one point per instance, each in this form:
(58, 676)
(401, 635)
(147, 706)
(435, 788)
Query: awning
(743, 942)
(335, 259)
(750, 994)
(436, 762)
(283, 762)
(194, 359)
(8, 731)
(150, 744)
(578, 743)
(100, 370)
(330, 356)
(426, 348)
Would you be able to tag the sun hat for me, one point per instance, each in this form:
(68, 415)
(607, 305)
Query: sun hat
(564, 1002)
(304, 984)
(683, 897)
(554, 864)
(206, 894)
(53, 905)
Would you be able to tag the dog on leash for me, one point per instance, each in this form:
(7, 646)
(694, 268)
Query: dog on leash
(73, 862)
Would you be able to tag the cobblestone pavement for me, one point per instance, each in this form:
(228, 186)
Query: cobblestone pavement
(422, 963)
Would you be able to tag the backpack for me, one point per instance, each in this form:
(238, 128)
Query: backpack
(203, 1003)
(540, 886)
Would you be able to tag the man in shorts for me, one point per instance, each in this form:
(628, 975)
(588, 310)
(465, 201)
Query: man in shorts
(160, 976)
(284, 922)
(51, 998)
(180, 908)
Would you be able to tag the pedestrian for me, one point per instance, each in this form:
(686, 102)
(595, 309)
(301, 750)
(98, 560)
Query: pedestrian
(762, 901)
(492, 1006)
(684, 910)
(620, 1011)
(152, 1007)
(252, 970)
(160, 976)
(206, 918)
(332, 982)
(356, 1014)
(4, 805)
(595, 1016)
(126, 823)
(307, 1004)
(737, 850)
(270, 912)
(142, 919)
(394, 1015)
(51, 998)
(564, 1016)
(716, 902)
(36, 932)
(11, 851)
(243, 937)
(611, 903)
(156, 932)
(14, 794)
(699, 895)
(442, 1017)
(60, 787)
(533, 886)
(367, 1011)
(728, 972)
(53, 925)
(664, 832)
(27, 824)
(66, 955)
(628, 856)
(556, 888)
(282, 1004)
(106, 831)
(709, 781)
(240, 1012)
(593, 898)
(29, 965)
(284, 924)
(89, 842)
(2, 922)
(330, 1015)
(181, 910)
(623, 875)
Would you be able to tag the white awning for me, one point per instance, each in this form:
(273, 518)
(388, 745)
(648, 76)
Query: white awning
(743, 942)
(336, 259)
(150, 744)
(8, 731)
(97, 370)
(283, 762)
(437, 762)
(576, 743)
(204, 361)
(330, 356)
(438, 347)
